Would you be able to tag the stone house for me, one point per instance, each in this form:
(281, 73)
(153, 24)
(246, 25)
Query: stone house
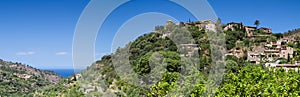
(166, 34)
(169, 22)
(234, 52)
(278, 49)
(233, 26)
(210, 27)
(188, 49)
(266, 30)
(255, 57)
(250, 30)
(202, 25)
(286, 52)
(197, 24)
(286, 67)
(286, 40)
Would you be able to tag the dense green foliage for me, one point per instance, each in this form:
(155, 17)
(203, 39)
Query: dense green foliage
(17, 79)
(151, 50)
(240, 79)
(232, 37)
(67, 88)
(258, 81)
(182, 76)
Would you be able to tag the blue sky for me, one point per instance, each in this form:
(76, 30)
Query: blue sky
(40, 32)
(280, 15)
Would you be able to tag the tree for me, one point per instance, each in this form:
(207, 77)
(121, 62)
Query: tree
(291, 45)
(297, 38)
(231, 66)
(289, 58)
(256, 23)
(143, 67)
(272, 39)
(218, 21)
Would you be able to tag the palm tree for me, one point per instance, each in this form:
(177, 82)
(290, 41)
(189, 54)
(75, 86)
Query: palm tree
(256, 23)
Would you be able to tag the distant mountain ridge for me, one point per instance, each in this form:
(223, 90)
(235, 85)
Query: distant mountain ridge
(18, 79)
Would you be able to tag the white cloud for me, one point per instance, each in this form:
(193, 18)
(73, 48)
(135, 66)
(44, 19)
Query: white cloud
(26, 53)
(61, 53)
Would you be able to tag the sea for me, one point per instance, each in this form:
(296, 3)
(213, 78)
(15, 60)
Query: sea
(63, 72)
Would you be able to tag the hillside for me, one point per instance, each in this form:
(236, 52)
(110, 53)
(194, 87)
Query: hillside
(18, 79)
(161, 66)
(292, 33)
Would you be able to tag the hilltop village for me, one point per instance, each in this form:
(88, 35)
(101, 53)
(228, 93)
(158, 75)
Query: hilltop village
(257, 45)
(256, 60)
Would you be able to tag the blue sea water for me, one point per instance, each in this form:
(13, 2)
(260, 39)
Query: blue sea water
(64, 72)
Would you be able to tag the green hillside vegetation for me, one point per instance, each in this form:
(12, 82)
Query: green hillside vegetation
(65, 88)
(17, 79)
(240, 78)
